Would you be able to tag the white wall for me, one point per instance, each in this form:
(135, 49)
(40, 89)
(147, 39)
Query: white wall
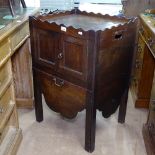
(59, 4)
(100, 1)
(62, 4)
(32, 3)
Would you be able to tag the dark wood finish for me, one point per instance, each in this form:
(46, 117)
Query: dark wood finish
(21, 63)
(114, 63)
(144, 66)
(38, 97)
(91, 94)
(79, 66)
(48, 57)
(62, 96)
(72, 62)
(79, 20)
(90, 123)
(123, 107)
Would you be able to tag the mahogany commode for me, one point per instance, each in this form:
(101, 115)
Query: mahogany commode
(82, 60)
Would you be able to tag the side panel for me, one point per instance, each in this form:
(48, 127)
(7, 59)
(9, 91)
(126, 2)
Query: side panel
(114, 67)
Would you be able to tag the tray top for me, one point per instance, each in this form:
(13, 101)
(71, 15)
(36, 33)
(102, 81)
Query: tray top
(86, 22)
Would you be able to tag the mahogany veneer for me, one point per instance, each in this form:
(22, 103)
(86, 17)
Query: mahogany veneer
(82, 60)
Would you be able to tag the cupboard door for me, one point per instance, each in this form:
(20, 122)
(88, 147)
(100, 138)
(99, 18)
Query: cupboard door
(73, 57)
(45, 51)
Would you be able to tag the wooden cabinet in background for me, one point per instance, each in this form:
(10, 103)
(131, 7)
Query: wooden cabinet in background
(147, 31)
(149, 127)
(82, 66)
(144, 64)
(10, 133)
(135, 7)
(15, 79)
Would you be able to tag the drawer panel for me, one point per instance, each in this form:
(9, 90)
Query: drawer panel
(4, 50)
(62, 96)
(19, 35)
(5, 76)
(6, 106)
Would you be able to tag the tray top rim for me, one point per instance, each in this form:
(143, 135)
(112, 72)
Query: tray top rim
(45, 18)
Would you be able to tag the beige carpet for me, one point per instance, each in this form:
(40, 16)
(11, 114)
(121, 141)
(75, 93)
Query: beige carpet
(58, 136)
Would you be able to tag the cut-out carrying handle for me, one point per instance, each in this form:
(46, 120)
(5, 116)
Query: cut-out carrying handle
(118, 35)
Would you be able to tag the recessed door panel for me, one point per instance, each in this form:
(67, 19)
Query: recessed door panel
(46, 50)
(73, 57)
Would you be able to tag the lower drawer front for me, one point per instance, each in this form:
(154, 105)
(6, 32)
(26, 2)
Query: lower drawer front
(62, 96)
(6, 107)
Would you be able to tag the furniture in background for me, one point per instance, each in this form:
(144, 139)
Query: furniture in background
(147, 32)
(135, 7)
(149, 127)
(22, 73)
(21, 62)
(82, 61)
(144, 64)
(15, 77)
(10, 133)
(13, 5)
